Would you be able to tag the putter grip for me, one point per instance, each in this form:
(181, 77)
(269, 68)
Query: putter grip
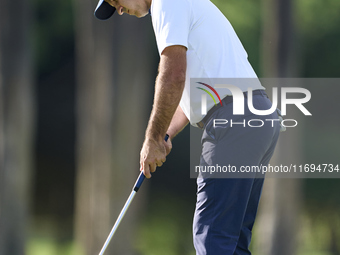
(141, 176)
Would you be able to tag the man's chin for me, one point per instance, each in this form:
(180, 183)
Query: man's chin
(141, 15)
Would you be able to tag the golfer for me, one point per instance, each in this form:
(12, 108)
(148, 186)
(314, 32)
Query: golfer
(195, 40)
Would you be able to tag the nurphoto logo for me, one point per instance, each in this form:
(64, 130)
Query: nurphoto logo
(238, 103)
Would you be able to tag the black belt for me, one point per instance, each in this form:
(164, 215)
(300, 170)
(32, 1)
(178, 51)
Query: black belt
(225, 101)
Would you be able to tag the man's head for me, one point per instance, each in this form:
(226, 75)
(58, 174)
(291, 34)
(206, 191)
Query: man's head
(106, 8)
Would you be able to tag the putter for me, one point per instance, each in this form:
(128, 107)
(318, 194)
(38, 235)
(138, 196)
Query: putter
(136, 187)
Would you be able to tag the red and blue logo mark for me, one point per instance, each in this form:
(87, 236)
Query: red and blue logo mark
(209, 93)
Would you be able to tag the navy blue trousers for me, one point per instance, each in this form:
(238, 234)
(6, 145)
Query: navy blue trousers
(226, 207)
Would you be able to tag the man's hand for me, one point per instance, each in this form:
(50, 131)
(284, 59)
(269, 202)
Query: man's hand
(153, 154)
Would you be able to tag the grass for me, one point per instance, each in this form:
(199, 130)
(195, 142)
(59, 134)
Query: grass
(47, 246)
(168, 232)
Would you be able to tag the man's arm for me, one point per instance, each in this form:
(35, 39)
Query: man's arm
(168, 92)
(178, 123)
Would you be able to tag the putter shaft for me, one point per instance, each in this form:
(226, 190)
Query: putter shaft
(136, 187)
(120, 217)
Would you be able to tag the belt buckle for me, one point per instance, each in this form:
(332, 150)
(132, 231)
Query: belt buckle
(200, 125)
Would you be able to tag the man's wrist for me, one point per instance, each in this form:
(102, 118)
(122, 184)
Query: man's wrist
(173, 129)
(155, 136)
(171, 134)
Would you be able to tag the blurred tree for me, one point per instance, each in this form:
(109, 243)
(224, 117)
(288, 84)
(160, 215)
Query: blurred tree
(280, 207)
(115, 79)
(16, 124)
(94, 135)
(320, 37)
(53, 191)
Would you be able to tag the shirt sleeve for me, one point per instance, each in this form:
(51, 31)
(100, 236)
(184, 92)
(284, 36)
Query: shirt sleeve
(171, 22)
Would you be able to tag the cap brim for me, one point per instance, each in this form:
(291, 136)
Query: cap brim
(104, 10)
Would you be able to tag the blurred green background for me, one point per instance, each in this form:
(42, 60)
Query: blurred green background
(75, 96)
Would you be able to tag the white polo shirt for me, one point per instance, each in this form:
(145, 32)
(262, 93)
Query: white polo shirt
(213, 48)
